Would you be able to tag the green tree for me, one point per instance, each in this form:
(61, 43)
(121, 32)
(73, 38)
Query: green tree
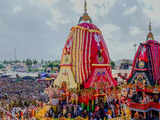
(51, 65)
(29, 62)
(56, 63)
(5, 62)
(23, 61)
(35, 62)
(42, 61)
(112, 64)
(1, 66)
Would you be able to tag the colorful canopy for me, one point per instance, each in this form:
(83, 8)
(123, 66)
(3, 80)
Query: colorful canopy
(85, 58)
(146, 65)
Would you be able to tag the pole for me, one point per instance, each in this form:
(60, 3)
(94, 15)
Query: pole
(15, 54)
(135, 46)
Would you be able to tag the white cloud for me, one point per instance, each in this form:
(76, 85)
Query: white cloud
(130, 11)
(108, 30)
(95, 7)
(1, 23)
(57, 18)
(124, 5)
(51, 24)
(133, 31)
(17, 9)
(55, 13)
(116, 42)
(48, 3)
(151, 9)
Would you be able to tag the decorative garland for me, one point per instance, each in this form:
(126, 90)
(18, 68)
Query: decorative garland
(90, 30)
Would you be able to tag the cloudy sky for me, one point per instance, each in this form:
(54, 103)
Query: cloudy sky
(38, 28)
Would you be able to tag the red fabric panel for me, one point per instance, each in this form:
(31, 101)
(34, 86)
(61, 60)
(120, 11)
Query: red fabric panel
(155, 50)
(89, 52)
(134, 62)
(105, 78)
(84, 57)
(145, 106)
(81, 72)
(142, 54)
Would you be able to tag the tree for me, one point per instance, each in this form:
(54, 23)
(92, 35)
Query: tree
(42, 61)
(51, 65)
(5, 62)
(112, 64)
(56, 63)
(35, 62)
(2, 66)
(23, 61)
(28, 62)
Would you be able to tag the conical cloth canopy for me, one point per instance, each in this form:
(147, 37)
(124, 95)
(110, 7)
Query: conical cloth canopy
(146, 64)
(85, 58)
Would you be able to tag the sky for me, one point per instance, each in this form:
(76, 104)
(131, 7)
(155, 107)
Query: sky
(38, 29)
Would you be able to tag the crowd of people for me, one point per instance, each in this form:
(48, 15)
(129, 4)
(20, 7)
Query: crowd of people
(88, 103)
(18, 109)
(22, 97)
(144, 97)
(25, 99)
(22, 88)
(96, 104)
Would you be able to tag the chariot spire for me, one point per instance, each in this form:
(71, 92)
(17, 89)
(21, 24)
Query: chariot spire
(85, 17)
(150, 35)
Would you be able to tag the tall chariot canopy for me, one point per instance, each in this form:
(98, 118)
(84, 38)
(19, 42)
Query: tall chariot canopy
(85, 58)
(146, 64)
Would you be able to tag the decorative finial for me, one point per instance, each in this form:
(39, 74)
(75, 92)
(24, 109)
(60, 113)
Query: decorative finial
(85, 6)
(150, 26)
(85, 17)
(150, 35)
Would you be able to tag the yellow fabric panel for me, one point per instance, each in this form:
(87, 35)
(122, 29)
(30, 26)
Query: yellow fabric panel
(86, 65)
(89, 30)
(80, 56)
(74, 53)
(66, 74)
(83, 34)
(101, 65)
(77, 57)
